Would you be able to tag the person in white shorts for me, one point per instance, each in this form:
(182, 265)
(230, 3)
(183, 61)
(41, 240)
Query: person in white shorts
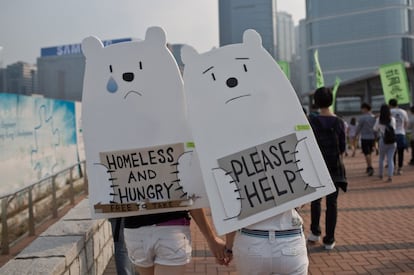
(161, 243)
(274, 246)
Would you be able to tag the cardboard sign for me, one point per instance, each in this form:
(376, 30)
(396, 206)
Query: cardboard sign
(135, 131)
(257, 151)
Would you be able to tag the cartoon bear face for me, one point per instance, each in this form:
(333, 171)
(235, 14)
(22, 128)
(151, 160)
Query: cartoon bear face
(229, 74)
(239, 87)
(124, 83)
(128, 66)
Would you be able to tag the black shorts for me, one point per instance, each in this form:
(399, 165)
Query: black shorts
(367, 146)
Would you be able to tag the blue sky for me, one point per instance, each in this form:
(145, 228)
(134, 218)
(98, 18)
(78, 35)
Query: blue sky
(28, 26)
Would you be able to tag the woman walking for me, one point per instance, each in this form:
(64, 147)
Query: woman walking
(386, 148)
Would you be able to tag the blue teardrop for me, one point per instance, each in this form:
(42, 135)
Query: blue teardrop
(111, 86)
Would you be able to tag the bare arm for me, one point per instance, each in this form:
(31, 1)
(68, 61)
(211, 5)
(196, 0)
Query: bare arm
(215, 244)
(229, 247)
(230, 239)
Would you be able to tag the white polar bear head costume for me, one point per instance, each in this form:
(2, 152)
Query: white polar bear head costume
(243, 112)
(124, 89)
(238, 85)
(132, 99)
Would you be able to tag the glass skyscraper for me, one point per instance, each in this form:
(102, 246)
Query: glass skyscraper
(235, 16)
(285, 37)
(355, 37)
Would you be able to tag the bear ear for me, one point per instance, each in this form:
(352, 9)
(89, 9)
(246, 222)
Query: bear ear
(188, 53)
(156, 35)
(252, 37)
(91, 45)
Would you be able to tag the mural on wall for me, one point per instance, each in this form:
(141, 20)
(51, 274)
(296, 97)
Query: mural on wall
(37, 139)
(257, 151)
(139, 154)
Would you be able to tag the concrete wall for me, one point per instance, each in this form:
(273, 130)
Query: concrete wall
(74, 245)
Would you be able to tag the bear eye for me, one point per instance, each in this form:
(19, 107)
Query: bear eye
(245, 67)
(213, 76)
(110, 68)
(140, 65)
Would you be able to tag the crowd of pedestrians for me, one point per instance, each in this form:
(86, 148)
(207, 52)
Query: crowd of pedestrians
(369, 134)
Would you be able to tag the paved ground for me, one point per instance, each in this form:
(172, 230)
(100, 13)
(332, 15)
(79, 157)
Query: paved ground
(375, 230)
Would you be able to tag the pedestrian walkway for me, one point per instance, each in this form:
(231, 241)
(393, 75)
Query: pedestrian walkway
(375, 230)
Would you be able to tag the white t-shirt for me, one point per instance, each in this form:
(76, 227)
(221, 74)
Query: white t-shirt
(378, 127)
(401, 120)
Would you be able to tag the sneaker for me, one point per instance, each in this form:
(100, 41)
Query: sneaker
(313, 238)
(389, 179)
(329, 246)
(399, 172)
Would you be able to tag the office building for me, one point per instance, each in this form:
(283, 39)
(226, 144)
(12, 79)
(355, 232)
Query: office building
(19, 78)
(235, 16)
(355, 37)
(175, 49)
(285, 37)
(300, 81)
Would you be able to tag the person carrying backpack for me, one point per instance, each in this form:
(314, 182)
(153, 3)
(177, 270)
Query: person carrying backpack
(385, 126)
(329, 131)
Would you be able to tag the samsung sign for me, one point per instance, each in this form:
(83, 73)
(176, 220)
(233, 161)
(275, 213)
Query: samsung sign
(74, 48)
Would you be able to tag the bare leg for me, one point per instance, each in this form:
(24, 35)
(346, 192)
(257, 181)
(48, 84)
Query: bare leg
(368, 159)
(169, 269)
(145, 270)
(354, 146)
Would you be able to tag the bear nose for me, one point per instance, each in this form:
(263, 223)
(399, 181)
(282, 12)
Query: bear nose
(128, 77)
(231, 82)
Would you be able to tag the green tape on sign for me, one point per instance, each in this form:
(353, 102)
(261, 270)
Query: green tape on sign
(190, 144)
(302, 127)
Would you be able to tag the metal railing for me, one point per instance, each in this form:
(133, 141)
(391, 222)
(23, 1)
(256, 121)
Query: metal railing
(26, 209)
